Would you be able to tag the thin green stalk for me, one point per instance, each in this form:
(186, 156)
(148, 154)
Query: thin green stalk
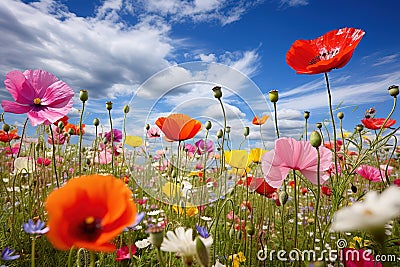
(262, 139)
(71, 250)
(223, 137)
(296, 209)
(388, 117)
(33, 252)
(276, 121)
(80, 138)
(54, 156)
(22, 136)
(316, 220)
(112, 142)
(160, 257)
(333, 125)
(92, 259)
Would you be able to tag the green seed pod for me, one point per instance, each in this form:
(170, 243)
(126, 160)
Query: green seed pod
(273, 96)
(315, 139)
(83, 95)
(217, 92)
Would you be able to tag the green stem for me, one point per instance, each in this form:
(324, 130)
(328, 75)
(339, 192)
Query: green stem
(22, 137)
(317, 197)
(80, 139)
(388, 117)
(262, 139)
(296, 209)
(160, 258)
(70, 256)
(333, 125)
(276, 121)
(54, 156)
(223, 137)
(92, 259)
(112, 142)
(33, 252)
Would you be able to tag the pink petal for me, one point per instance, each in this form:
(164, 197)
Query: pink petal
(15, 107)
(40, 80)
(20, 88)
(273, 173)
(58, 95)
(45, 115)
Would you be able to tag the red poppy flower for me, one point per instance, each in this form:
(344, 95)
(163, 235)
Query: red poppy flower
(63, 119)
(260, 121)
(75, 128)
(123, 253)
(333, 50)
(178, 127)
(259, 185)
(326, 191)
(376, 123)
(88, 212)
(7, 137)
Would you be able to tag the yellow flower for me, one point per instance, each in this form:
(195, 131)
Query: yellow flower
(256, 154)
(237, 259)
(190, 210)
(345, 135)
(133, 141)
(359, 243)
(237, 158)
(172, 189)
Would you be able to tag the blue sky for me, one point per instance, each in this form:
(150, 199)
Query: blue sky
(163, 56)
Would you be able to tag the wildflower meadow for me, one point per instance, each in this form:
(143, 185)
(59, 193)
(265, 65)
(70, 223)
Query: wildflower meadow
(185, 193)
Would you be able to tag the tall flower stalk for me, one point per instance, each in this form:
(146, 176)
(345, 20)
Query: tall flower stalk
(83, 96)
(109, 108)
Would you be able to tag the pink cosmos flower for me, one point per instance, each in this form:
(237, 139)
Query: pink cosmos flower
(43, 161)
(153, 132)
(38, 93)
(371, 173)
(202, 146)
(290, 154)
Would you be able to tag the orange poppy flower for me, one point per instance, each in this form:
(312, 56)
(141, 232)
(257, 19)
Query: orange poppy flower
(63, 119)
(333, 50)
(88, 212)
(178, 127)
(7, 137)
(260, 121)
(76, 128)
(376, 123)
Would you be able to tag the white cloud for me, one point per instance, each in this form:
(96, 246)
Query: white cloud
(386, 60)
(294, 3)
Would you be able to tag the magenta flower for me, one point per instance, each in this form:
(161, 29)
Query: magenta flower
(123, 253)
(290, 154)
(117, 134)
(358, 258)
(202, 146)
(371, 173)
(38, 93)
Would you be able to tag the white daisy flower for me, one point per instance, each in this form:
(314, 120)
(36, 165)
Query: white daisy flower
(181, 242)
(374, 212)
(142, 243)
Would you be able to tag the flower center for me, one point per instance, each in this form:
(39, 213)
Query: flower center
(324, 55)
(91, 227)
(368, 212)
(37, 101)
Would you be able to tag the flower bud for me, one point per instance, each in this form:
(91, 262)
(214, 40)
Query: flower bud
(6, 127)
(315, 139)
(319, 125)
(208, 125)
(283, 197)
(217, 92)
(60, 125)
(220, 133)
(156, 235)
(393, 90)
(340, 115)
(126, 109)
(96, 122)
(147, 126)
(353, 188)
(228, 129)
(306, 115)
(71, 131)
(359, 128)
(246, 131)
(83, 95)
(273, 96)
(250, 230)
(202, 253)
(109, 105)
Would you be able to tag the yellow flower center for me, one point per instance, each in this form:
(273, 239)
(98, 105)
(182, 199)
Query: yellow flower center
(92, 226)
(368, 212)
(37, 101)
